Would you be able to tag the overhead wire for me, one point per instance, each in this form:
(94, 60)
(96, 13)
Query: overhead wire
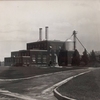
(69, 37)
(81, 44)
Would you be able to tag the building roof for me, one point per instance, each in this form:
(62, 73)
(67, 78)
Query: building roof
(37, 50)
(46, 41)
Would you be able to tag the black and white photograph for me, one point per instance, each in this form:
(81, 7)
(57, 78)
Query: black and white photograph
(49, 49)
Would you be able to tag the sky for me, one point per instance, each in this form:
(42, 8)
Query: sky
(20, 22)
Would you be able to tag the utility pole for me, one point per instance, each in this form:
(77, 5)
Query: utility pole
(74, 38)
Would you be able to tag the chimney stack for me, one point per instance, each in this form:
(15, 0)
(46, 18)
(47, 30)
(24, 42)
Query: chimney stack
(46, 32)
(40, 34)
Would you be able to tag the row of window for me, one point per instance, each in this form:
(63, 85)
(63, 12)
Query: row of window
(40, 59)
(17, 60)
(9, 60)
(22, 54)
(39, 46)
(25, 54)
(35, 59)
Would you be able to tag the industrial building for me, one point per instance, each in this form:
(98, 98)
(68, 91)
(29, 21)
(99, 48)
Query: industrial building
(38, 53)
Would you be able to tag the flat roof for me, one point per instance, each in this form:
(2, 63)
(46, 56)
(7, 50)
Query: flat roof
(46, 41)
(37, 50)
(18, 51)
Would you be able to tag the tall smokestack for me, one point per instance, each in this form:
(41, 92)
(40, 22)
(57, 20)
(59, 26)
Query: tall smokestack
(74, 38)
(46, 32)
(40, 34)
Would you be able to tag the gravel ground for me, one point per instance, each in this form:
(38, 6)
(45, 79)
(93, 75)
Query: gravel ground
(84, 87)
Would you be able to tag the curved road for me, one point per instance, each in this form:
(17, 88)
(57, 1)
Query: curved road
(34, 88)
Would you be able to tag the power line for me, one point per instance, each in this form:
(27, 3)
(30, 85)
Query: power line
(81, 44)
(69, 37)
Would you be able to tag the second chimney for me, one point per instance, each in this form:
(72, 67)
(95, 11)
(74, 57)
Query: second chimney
(46, 32)
(40, 34)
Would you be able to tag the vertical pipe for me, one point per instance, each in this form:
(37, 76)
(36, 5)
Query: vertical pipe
(74, 39)
(40, 34)
(46, 32)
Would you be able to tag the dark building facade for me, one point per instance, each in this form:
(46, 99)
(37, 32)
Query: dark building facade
(20, 53)
(45, 45)
(38, 53)
(38, 57)
(9, 61)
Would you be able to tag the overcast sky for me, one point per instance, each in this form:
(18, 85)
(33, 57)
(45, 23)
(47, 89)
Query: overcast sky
(20, 22)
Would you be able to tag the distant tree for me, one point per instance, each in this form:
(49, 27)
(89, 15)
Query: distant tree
(92, 56)
(85, 57)
(76, 58)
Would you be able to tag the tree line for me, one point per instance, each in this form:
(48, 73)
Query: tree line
(85, 59)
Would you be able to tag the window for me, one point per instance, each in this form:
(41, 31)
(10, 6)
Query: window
(39, 58)
(29, 46)
(24, 61)
(44, 44)
(44, 59)
(19, 60)
(33, 58)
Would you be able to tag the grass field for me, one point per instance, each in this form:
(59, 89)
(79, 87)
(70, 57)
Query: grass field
(22, 72)
(84, 87)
